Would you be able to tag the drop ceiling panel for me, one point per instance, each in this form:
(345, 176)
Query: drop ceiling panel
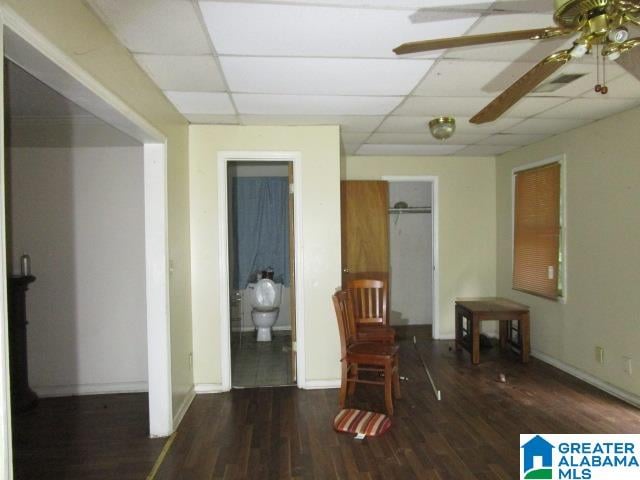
(590, 108)
(296, 30)
(442, 106)
(530, 106)
(484, 150)
(354, 138)
(547, 126)
(424, 138)
(348, 123)
(511, 139)
(583, 84)
(184, 73)
(386, 4)
(399, 124)
(463, 78)
(625, 86)
(260, 104)
(371, 149)
(323, 76)
(201, 102)
(167, 27)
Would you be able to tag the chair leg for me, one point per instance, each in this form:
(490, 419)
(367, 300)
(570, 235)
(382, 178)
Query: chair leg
(396, 379)
(388, 373)
(353, 374)
(343, 384)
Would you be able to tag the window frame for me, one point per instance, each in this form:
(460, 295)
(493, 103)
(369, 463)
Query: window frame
(562, 266)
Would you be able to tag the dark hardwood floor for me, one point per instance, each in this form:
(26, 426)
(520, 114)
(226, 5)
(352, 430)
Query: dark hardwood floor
(96, 437)
(287, 433)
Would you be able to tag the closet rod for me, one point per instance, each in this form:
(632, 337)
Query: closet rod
(411, 210)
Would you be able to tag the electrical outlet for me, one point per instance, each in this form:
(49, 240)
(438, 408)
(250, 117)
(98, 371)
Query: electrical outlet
(628, 369)
(600, 355)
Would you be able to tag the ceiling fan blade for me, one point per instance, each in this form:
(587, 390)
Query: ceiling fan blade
(441, 43)
(521, 87)
(630, 58)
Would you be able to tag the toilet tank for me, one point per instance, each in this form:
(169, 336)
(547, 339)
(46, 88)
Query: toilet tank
(266, 294)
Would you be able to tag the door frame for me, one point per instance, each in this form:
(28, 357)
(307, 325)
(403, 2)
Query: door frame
(435, 275)
(28, 48)
(224, 157)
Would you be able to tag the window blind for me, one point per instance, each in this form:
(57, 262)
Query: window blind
(536, 240)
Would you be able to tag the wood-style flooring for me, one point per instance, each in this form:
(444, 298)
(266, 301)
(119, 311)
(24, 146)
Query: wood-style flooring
(280, 433)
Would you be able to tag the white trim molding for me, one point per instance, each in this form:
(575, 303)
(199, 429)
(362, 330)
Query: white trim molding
(157, 285)
(223, 159)
(435, 233)
(623, 395)
(184, 407)
(209, 388)
(322, 384)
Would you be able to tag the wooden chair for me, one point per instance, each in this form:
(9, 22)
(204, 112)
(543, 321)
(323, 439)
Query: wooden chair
(359, 356)
(368, 298)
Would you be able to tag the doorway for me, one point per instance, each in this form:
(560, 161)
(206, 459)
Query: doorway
(413, 251)
(261, 279)
(24, 48)
(237, 304)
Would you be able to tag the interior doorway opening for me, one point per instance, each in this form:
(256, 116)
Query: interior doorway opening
(413, 252)
(261, 276)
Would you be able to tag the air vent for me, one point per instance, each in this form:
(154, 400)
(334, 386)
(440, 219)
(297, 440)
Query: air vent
(558, 82)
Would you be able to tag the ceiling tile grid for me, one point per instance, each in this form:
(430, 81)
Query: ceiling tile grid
(328, 62)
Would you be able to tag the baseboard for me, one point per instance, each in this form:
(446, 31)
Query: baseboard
(623, 395)
(90, 389)
(208, 388)
(186, 403)
(321, 384)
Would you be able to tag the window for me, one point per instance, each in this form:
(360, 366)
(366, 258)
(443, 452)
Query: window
(537, 231)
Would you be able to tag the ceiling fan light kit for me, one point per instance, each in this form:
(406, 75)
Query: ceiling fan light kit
(442, 127)
(596, 22)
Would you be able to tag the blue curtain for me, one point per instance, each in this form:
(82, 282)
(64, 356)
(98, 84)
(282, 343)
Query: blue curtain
(260, 212)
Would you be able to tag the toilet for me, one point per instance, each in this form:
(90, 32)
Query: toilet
(265, 302)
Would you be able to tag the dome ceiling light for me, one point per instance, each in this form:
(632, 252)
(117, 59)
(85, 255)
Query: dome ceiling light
(442, 127)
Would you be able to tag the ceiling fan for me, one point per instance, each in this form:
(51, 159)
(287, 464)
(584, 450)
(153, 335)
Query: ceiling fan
(601, 23)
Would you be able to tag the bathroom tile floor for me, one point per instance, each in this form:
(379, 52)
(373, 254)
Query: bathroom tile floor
(256, 363)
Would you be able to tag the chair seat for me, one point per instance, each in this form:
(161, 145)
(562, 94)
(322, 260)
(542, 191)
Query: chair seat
(375, 333)
(372, 349)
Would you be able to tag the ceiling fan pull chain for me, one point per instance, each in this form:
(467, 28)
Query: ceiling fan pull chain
(598, 87)
(605, 89)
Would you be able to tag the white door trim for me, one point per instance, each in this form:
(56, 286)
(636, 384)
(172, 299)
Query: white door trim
(28, 48)
(223, 256)
(435, 235)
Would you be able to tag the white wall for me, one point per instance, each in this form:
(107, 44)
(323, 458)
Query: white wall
(79, 214)
(411, 255)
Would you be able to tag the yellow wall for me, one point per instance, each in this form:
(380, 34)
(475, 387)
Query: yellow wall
(603, 260)
(467, 221)
(74, 29)
(320, 151)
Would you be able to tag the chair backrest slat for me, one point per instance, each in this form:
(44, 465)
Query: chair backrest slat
(344, 315)
(368, 299)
